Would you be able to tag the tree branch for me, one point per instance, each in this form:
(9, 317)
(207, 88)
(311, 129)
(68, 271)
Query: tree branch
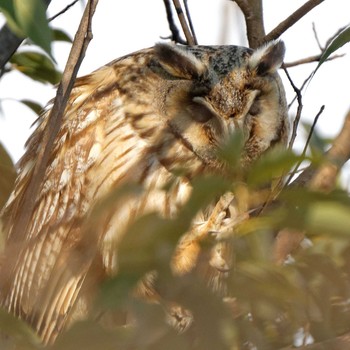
(320, 179)
(175, 35)
(77, 53)
(325, 178)
(310, 59)
(253, 14)
(188, 35)
(291, 20)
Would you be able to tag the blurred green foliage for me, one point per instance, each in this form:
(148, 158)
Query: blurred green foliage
(267, 304)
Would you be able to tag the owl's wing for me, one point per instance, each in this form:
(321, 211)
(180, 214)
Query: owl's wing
(46, 269)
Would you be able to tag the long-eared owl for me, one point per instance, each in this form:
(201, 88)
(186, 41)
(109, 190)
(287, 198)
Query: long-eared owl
(155, 117)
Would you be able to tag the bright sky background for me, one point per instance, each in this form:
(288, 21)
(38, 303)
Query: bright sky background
(121, 27)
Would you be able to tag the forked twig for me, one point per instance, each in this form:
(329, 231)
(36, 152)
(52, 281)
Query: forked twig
(302, 156)
(298, 114)
(175, 35)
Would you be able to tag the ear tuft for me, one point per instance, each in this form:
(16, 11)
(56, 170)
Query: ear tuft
(178, 62)
(268, 58)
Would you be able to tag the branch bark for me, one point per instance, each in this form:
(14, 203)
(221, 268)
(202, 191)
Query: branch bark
(324, 178)
(291, 20)
(320, 179)
(253, 14)
(77, 53)
(187, 32)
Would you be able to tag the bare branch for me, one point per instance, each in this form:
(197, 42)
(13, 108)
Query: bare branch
(80, 43)
(316, 36)
(291, 20)
(62, 11)
(300, 107)
(310, 59)
(189, 37)
(305, 146)
(188, 15)
(175, 35)
(253, 14)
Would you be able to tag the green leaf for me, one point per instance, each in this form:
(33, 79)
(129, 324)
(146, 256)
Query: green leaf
(8, 175)
(339, 41)
(16, 334)
(8, 9)
(28, 19)
(34, 106)
(271, 166)
(36, 66)
(329, 217)
(60, 35)
(31, 16)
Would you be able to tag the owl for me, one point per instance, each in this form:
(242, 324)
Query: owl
(155, 118)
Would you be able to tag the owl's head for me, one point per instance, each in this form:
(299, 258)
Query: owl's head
(214, 90)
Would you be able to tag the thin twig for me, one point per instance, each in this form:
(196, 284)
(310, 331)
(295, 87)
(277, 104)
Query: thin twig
(316, 36)
(183, 22)
(303, 153)
(189, 19)
(298, 114)
(175, 35)
(291, 20)
(310, 59)
(301, 89)
(337, 156)
(80, 43)
(62, 11)
(324, 178)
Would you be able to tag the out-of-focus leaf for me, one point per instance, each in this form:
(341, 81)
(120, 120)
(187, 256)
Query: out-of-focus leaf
(271, 166)
(232, 150)
(36, 66)
(16, 334)
(8, 9)
(28, 19)
(8, 175)
(148, 242)
(329, 217)
(317, 143)
(89, 335)
(316, 212)
(60, 35)
(34, 106)
(337, 42)
(205, 189)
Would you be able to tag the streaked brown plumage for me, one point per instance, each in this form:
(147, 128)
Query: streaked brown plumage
(139, 119)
